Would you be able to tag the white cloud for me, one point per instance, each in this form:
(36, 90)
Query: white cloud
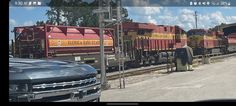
(145, 14)
(190, 25)
(217, 18)
(152, 10)
(166, 19)
(184, 19)
(140, 2)
(186, 11)
(141, 11)
(151, 20)
(28, 23)
(186, 16)
(146, 19)
(166, 11)
(231, 19)
(12, 22)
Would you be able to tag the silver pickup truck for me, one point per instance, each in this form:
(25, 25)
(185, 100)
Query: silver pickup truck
(33, 80)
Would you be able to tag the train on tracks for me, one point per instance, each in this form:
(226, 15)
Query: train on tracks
(144, 43)
(71, 43)
(212, 41)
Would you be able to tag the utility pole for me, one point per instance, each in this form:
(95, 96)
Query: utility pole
(101, 10)
(101, 24)
(120, 45)
(104, 83)
(12, 48)
(195, 15)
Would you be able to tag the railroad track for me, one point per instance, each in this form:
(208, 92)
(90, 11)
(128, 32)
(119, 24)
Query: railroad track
(141, 70)
(135, 71)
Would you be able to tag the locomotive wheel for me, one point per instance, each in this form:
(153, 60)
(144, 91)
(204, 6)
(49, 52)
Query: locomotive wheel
(133, 64)
(152, 60)
(147, 62)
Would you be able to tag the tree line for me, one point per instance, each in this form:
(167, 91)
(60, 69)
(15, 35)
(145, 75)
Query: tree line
(76, 13)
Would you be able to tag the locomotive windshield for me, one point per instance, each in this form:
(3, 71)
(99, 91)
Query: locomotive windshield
(197, 32)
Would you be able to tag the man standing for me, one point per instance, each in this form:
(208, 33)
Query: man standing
(184, 58)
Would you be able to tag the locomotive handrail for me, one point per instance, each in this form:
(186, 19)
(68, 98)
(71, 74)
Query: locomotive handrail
(197, 56)
(223, 56)
(214, 54)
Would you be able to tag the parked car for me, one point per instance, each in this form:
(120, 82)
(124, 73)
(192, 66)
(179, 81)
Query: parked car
(34, 80)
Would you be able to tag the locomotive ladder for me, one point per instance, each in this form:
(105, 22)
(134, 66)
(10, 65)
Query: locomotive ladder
(121, 55)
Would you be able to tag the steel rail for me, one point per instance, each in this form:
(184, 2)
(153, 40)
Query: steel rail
(141, 70)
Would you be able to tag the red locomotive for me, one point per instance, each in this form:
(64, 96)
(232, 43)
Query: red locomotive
(144, 43)
(212, 41)
(62, 42)
(230, 38)
(205, 41)
(231, 42)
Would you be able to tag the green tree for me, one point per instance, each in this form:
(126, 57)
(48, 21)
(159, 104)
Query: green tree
(38, 23)
(76, 12)
(125, 15)
(55, 12)
(194, 41)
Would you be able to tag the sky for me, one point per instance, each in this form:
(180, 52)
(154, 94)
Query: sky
(25, 16)
(182, 16)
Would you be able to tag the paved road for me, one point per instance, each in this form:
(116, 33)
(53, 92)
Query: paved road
(206, 82)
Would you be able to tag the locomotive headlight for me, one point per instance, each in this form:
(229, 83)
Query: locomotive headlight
(18, 88)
